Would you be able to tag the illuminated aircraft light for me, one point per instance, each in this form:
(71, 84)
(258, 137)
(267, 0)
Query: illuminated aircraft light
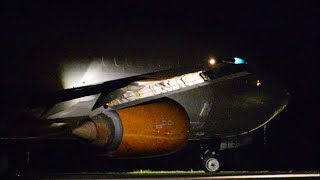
(239, 61)
(111, 103)
(212, 61)
(258, 83)
(56, 125)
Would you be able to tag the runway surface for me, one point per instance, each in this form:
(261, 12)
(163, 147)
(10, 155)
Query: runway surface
(172, 175)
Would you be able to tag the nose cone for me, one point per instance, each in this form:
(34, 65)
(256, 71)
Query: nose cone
(273, 97)
(256, 100)
(262, 105)
(276, 90)
(285, 96)
(273, 90)
(250, 109)
(280, 99)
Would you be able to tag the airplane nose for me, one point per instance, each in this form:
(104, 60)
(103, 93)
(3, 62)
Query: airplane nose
(285, 93)
(284, 97)
(275, 89)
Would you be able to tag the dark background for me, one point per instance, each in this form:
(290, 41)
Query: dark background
(282, 36)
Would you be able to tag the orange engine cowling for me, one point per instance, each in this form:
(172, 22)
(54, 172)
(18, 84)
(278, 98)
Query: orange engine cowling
(155, 128)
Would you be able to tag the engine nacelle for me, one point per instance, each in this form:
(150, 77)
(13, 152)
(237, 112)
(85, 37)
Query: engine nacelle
(155, 128)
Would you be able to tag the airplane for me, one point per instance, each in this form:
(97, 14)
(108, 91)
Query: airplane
(215, 105)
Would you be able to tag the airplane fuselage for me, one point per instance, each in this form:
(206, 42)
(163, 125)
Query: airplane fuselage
(166, 109)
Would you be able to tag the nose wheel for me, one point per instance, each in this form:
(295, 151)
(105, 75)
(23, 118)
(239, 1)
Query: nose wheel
(211, 163)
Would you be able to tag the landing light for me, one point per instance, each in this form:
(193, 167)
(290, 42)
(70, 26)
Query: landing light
(212, 61)
(258, 83)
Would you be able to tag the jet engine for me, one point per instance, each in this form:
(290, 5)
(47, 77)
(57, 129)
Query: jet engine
(154, 128)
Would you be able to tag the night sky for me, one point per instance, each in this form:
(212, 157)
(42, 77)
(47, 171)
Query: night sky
(282, 36)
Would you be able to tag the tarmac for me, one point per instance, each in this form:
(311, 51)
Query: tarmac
(172, 175)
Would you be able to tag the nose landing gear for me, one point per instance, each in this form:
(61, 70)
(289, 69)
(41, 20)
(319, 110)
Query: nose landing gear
(210, 159)
(211, 163)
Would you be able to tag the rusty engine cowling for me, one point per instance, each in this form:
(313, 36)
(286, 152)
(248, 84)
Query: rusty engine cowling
(155, 128)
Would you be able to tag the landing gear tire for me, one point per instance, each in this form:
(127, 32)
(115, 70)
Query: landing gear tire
(211, 164)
